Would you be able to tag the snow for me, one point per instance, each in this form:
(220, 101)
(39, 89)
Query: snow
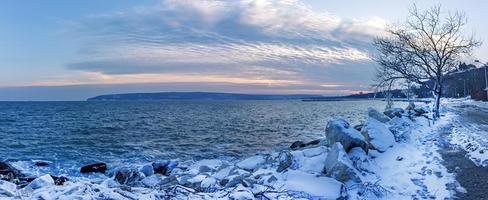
(316, 186)
(411, 169)
(471, 137)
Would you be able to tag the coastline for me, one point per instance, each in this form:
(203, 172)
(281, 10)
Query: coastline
(288, 174)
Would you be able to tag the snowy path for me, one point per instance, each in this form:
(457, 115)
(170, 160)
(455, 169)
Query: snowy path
(465, 141)
(414, 170)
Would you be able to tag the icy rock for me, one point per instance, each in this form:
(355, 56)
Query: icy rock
(314, 186)
(153, 180)
(285, 159)
(59, 180)
(421, 110)
(94, 168)
(127, 176)
(147, 170)
(42, 181)
(378, 135)
(164, 167)
(372, 113)
(231, 181)
(394, 112)
(241, 193)
(221, 174)
(7, 188)
(110, 183)
(251, 163)
(339, 166)
(9, 172)
(339, 130)
(208, 183)
(359, 158)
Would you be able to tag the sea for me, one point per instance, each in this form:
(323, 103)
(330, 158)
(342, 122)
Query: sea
(69, 135)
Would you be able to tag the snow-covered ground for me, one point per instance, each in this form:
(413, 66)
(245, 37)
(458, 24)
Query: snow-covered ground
(407, 167)
(470, 128)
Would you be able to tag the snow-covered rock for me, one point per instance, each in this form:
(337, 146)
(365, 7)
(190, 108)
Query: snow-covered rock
(128, 176)
(339, 166)
(339, 130)
(314, 186)
(394, 112)
(373, 113)
(251, 163)
(241, 193)
(378, 135)
(359, 159)
(7, 188)
(43, 181)
(147, 170)
(153, 180)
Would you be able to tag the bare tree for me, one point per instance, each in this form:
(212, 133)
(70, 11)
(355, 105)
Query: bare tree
(423, 49)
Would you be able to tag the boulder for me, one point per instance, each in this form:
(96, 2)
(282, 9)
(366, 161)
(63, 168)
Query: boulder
(164, 167)
(297, 145)
(41, 163)
(421, 111)
(285, 159)
(7, 188)
(359, 159)
(41, 182)
(378, 135)
(394, 112)
(372, 113)
(8, 172)
(127, 176)
(251, 163)
(59, 180)
(300, 144)
(154, 180)
(147, 170)
(339, 130)
(241, 193)
(94, 168)
(339, 166)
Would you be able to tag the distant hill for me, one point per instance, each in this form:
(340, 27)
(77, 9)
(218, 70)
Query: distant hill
(197, 96)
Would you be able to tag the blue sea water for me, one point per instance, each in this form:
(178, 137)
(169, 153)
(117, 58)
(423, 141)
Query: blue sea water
(72, 134)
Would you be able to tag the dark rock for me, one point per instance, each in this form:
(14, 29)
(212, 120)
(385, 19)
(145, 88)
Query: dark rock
(359, 127)
(164, 167)
(161, 167)
(8, 172)
(41, 163)
(399, 158)
(297, 145)
(95, 168)
(59, 180)
(313, 142)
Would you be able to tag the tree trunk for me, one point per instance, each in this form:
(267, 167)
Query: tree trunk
(438, 100)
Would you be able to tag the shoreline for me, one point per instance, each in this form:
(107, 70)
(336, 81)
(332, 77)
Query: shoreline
(279, 174)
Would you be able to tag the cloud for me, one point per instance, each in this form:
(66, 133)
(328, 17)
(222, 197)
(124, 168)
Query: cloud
(274, 41)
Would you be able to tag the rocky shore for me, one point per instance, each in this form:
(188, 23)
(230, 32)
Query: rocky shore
(350, 162)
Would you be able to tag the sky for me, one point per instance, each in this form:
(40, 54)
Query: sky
(72, 50)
